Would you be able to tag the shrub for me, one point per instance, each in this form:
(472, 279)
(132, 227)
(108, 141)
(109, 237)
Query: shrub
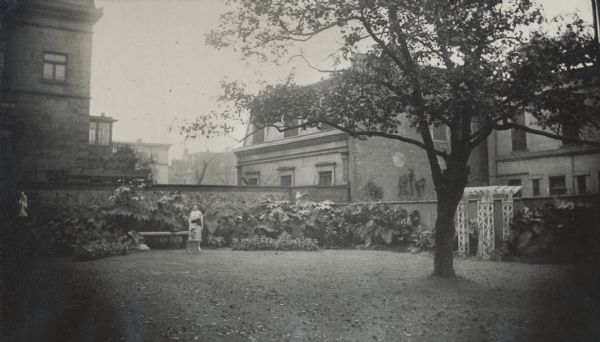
(423, 240)
(283, 243)
(558, 230)
(100, 249)
(215, 241)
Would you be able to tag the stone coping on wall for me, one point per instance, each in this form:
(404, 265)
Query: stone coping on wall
(178, 187)
(157, 187)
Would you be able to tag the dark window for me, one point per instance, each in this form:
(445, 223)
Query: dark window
(519, 137)
(252, 181)
(570, 130)
(515, 182)
(55, 67)
(258, 136)
(535, 187)
(291, 132)
(286, 180)
(325, 178)
(440, 133)
(581, 184)
(557, 185)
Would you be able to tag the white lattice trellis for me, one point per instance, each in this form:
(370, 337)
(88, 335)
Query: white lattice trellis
(507, 214)
(485, 223)
(485, 217)
(461, 229)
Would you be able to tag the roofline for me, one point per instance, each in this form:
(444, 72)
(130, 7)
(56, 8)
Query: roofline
(143, 143)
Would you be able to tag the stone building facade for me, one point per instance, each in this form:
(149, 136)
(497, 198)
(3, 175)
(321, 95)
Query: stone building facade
(45, 67)
(374, 169)
(156, 154)
(543, 166)
(399, 171)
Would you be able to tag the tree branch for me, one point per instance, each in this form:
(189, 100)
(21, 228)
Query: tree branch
(508, 125)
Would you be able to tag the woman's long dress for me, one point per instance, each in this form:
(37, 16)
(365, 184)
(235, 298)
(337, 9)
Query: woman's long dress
(195, 228)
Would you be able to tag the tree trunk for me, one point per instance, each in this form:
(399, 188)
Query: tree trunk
(443, 260)
(449, 193)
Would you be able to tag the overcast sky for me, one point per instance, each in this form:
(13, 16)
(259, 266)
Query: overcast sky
(150, 65)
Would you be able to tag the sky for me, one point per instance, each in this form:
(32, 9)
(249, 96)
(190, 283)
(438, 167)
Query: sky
(151, 67)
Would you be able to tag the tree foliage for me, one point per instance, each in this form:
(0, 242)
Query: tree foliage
(473, 65)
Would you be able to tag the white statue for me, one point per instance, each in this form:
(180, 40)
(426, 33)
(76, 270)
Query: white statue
(23, 205)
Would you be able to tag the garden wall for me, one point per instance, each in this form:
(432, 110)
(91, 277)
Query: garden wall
(428, 208)
(248, 196)
(206, 195)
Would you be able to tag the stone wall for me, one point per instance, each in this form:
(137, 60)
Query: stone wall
(208, 197)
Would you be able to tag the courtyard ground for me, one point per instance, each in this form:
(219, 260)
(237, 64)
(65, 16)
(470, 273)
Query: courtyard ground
(224, 295)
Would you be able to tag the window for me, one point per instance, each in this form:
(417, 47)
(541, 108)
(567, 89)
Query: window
(103, 133)
(55, 67)
(258, 136)
(440, 133)
(325, 173)
(581, 184)
(252, 178)
(286, 175)
(570, 130)
(99, 133)
(325, 178)
(291, 132)
(286, 180)
(519, 137)
(92, 134)
(535, 187)
(557, 185)
(515, 182)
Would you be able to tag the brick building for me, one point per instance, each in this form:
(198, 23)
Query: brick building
(204, 168)
(45, 66)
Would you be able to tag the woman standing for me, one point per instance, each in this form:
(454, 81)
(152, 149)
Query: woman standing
(196, 222)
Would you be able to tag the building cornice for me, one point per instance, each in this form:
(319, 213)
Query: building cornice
(562, 151)
(149, 144)
(14, 92)
(288, 156)
(289, 143)
(64, 11)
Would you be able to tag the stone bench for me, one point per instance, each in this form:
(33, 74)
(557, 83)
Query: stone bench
(166, 239)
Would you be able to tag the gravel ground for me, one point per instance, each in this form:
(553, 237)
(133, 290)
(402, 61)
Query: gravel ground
(224, 295)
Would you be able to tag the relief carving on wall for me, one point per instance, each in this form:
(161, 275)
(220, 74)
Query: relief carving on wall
(409, 186)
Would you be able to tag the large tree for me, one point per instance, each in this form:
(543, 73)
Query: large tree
(473, 65)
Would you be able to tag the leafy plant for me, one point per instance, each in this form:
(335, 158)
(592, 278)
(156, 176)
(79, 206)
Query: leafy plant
(378, 222)
(284, 242)
(101, 248)
(558, 230)
(215, 241)
(423, 240)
